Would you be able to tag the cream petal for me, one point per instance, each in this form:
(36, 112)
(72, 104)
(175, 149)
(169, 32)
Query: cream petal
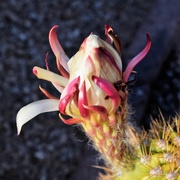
(50, 76)
(33, 109)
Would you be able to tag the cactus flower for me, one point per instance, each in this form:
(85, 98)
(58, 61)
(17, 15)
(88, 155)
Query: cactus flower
(93, 92)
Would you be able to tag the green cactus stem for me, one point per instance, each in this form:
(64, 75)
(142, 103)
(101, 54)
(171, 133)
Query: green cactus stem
(157, 154)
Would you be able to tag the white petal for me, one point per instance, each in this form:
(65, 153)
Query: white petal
(33, 109)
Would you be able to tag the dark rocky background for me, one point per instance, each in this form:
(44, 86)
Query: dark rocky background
(47, 149)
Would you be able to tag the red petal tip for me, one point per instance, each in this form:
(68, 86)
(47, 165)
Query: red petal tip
(34, 70)
(54, 27)
(108, 28)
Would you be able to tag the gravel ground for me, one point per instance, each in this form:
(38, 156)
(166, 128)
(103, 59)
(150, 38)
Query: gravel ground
(48, 149)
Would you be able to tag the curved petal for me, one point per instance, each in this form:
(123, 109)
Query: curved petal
(109, 90)
(33, 109)
(112, 39)
(70, 91)
(70, 121)
(137, 59)
(47, 94)
(108, 37)
(57, 49)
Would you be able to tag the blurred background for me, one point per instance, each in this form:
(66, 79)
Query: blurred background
(47, 148)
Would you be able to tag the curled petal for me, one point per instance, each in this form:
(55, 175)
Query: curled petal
(57, 49)
(50, 76)
(47, 94)
(71, 120)
(109, 90)
(108, 37)
(31, 110)
(137, 59)
(112, 39)
(70, 92)
(82, 100)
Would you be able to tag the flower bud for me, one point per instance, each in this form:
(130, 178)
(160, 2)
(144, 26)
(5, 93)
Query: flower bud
(97, 65)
